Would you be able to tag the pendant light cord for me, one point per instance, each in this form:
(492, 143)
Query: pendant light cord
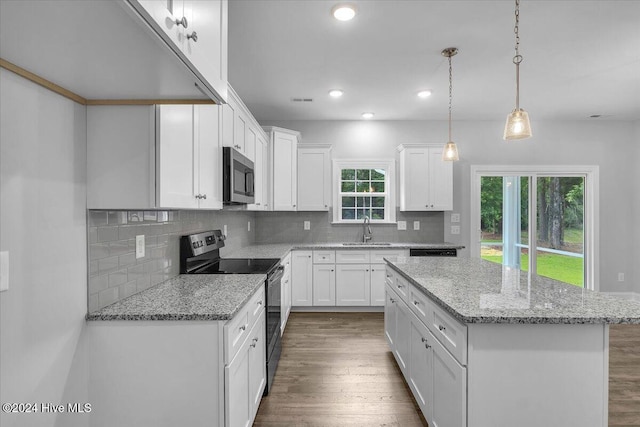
(517, 59)
(450, 95)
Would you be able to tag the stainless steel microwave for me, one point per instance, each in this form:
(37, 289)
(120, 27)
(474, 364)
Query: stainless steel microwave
(238, 177)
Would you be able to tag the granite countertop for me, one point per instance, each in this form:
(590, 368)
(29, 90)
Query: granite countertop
(478, 291)
(279, 250)
(186, 297)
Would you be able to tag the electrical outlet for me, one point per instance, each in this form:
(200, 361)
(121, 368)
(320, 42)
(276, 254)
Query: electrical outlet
(224, 230)
(620, 277)
(140, 246)
(248, 225)
(455, 217)
(307, 225)
(402, 225)
(4, 271)
(455, 229)
(416, 225)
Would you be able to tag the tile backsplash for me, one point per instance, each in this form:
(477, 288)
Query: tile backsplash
(114, 271)
(285, 227)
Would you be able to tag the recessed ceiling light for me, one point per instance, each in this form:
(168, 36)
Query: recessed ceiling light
(424, 94)
(367, 115)
(343, 12)
(336, 93)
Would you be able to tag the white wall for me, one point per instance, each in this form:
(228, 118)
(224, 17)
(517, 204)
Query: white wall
(593, 142)
(43, 227)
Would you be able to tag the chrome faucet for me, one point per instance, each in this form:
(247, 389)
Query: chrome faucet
(366, 230)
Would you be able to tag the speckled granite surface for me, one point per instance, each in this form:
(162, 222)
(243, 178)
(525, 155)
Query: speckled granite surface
(281, 249)
(187, 297)
(477, 291)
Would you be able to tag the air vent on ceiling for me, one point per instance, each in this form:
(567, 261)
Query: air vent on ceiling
(301, 99)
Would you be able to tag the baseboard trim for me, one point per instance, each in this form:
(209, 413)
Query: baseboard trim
(629, 296)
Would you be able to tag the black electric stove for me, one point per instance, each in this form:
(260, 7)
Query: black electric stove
(200, 254)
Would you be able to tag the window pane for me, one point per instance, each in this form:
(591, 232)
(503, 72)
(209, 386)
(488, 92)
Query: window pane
(377, 202)
(348, 214)
(364, 202)
(348, 174)
(348, 187)
(378, 187)
(348, 202)
(377, 174)
(377, 213)
(363, 174)
(361, 213)
(363, 187)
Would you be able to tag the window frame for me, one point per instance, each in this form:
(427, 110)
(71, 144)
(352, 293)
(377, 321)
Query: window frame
(390, 188)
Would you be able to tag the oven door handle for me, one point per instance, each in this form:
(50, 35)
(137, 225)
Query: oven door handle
(276, 276)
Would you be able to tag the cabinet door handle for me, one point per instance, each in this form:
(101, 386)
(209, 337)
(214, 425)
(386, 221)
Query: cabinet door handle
(400, 286)
(243, 327)
(415, 302)
(441, 328)
(259, 302)
(332, 271)
(392, 300)
(257, 204)
(193, 36)
(255, 341)
(294, 206)
(182, 22)
(427, 346)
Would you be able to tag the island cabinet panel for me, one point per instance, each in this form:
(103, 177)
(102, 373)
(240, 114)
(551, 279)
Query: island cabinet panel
(421, 367)
(390, 307)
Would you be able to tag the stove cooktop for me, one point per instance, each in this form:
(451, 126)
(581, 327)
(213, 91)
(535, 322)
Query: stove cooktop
(239, 266)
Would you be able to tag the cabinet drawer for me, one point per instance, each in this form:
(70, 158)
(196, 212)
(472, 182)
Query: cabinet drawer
(237, 329)
(451, 333)
(352, 257)
(420, 304)
(402, 287)
(378, 256)
(390, 278)
(324, 257)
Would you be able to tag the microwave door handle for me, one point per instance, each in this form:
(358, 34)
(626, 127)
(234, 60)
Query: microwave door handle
(248, 184)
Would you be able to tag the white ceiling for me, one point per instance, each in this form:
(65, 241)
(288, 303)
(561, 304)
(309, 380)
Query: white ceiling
(580, 58)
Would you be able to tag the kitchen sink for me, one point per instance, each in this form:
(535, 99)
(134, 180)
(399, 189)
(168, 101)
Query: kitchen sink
(366, 244)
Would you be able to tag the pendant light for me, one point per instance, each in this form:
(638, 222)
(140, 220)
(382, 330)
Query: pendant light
(517, 126)
(450, 153)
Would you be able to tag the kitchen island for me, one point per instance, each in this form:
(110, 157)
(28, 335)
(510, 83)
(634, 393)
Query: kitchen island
(485, 345)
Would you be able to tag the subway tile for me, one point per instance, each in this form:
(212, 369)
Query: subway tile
(98, 283)
(98, 251)
(94, 303)
(107, 234)
(135, 216)
(117, 278)
(128, 289)
(136, 272)
(127, 232)
(150, 216)
(119, 247)
(97, 218)
(162, 239)
(107, 264)
(107, 297)
(117, 217)
(150, 241)
(93, 235)
(93, 268)
(127, 260)
(143, 283)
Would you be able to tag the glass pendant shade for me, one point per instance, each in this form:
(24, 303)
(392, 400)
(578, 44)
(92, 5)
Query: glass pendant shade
(450, 152)
(517, 126)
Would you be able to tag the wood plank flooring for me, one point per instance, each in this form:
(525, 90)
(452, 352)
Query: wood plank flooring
(336, 370)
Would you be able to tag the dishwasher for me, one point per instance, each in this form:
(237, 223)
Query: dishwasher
(433, 252)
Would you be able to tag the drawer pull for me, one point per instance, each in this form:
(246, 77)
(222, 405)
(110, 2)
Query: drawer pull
(243, 327)
(416, 302)
(441, 328)
(259, 302)
(392, 300)
(427, 346)
(255, 341)
(400, 286)
(424, 339)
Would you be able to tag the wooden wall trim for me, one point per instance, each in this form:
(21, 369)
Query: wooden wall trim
(80, 100)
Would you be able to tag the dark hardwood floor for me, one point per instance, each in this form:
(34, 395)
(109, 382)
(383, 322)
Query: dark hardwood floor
(336, 370)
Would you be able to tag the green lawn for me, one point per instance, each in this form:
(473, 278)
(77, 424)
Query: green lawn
(560, 267)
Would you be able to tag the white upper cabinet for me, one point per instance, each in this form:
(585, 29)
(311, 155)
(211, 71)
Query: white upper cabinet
(426, 181)
(196, 31)
(120, 50)
(261, 158)
(146, 157)
(283, 155)
(239, 128)
(314, 177)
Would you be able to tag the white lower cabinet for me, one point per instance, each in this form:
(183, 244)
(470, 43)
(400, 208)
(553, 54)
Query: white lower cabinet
(378, 273)
(301, 278)
(353, 284)
(324, 285)
(438, 381)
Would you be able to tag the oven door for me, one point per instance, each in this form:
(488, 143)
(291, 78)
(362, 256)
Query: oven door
(274, 291)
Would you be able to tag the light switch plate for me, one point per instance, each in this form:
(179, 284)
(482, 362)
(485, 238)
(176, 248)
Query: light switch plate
(402, 225)
(4, 271)
(455, 217)
(416, 225)
(140, 246)
(455, 229)
(307, 225)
